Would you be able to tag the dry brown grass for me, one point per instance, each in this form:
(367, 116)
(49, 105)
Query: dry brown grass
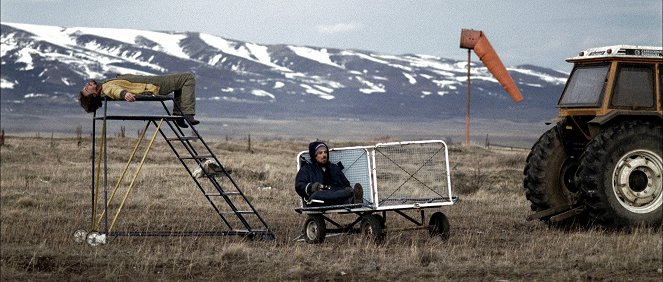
(45, 196)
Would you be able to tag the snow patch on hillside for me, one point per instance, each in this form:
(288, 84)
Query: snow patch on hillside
(542, 76)
(320, 56)
(6, 84)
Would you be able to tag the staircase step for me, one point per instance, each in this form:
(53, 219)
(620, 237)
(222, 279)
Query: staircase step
(239, 212)
(183, 138)
(221, 194)
(252, 230)
(199, 157)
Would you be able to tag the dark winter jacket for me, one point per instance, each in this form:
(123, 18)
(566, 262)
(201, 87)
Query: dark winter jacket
(332, 175)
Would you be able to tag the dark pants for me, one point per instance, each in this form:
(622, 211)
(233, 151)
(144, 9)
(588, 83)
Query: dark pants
(182, 84)
(334, 196)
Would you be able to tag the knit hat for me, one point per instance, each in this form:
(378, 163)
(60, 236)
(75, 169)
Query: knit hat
(316, 146)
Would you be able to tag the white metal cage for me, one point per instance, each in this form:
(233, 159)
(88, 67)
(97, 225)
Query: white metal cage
(396, 175)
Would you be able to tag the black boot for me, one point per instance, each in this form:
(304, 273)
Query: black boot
(183, 124)
(191, 119)
(358, 194)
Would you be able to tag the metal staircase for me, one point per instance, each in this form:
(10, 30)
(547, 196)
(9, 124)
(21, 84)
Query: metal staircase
(213, 179)
(230, 192)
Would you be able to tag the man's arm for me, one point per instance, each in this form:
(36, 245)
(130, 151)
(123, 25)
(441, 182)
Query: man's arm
(306, 181)
(113, 91)
(117, 93)
(302, 182)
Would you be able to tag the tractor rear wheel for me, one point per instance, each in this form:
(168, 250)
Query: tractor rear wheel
(550, 175)
(621, 175)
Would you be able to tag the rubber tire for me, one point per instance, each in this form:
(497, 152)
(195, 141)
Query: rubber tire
(598, 163)
(544, 174)
(382, 220)
(372, 228)
(438, 225)
(314, 229)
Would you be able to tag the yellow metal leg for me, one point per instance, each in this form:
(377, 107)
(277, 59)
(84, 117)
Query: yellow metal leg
(119, 181)
(96, 182)
(140, 166)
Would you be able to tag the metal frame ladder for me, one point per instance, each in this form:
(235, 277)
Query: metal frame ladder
(235, 211)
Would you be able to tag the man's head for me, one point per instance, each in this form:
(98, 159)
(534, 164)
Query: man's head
(91, 88)
(319, 152)
(89, 97)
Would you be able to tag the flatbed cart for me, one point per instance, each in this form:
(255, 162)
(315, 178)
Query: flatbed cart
(395, 177)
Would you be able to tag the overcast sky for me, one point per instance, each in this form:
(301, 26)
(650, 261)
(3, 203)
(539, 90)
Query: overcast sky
(542, 33)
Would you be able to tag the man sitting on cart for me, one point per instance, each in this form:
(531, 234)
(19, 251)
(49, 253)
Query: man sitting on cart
(321, 182)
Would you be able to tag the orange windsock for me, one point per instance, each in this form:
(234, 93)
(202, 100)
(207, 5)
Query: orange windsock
(476, 40)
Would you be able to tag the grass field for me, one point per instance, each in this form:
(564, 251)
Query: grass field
(45, 196)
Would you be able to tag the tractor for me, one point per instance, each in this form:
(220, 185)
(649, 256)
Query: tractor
(602, 161)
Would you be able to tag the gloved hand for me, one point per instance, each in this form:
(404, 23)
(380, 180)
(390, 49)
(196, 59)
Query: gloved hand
(316, 186)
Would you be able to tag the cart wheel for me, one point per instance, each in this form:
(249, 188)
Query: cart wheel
(439, 225)
(314, 229)
(80, 235)
(382, 220)
(372, 228)
(95, 238)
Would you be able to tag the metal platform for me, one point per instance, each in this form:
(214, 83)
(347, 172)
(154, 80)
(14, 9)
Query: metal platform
(228, 201)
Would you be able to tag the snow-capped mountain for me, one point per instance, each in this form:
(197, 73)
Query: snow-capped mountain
(44, 68)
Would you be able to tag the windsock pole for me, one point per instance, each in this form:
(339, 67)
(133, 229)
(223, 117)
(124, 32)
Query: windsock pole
(467, 104)
(477, 41)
